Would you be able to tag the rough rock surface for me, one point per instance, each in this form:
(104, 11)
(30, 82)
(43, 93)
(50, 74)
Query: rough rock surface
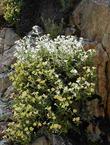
(7, 39)
(92, 17)
(58, 140)
(41, 141)
(3, 142)
(51, 140)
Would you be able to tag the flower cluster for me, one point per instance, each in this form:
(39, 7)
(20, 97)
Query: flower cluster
(12, 9)
(51, 77)
(30, 45)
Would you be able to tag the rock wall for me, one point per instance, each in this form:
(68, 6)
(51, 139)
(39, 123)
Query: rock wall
(7, 39)
(51, 140)
(92, 18)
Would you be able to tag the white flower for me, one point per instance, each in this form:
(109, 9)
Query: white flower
(74, 71)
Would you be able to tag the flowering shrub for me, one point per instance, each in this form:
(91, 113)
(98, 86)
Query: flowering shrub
(12, 9)
(51, 77)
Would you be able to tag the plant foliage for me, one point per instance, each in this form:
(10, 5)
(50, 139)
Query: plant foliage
(51, 77)
(65, 4)
(12, 10)
(52, 27)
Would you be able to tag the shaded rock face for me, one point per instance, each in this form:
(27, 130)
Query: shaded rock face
(32, 14)
(41, 141)
(46, 9)
(3, 142)
(58, 140)
(5, 117)
(51, 140)
(92, 18)
(7, 39)
(99, 106)
(7, 49)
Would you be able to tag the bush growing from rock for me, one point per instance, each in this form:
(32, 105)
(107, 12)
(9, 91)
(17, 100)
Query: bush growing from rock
(12, 10)
(51, 77)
